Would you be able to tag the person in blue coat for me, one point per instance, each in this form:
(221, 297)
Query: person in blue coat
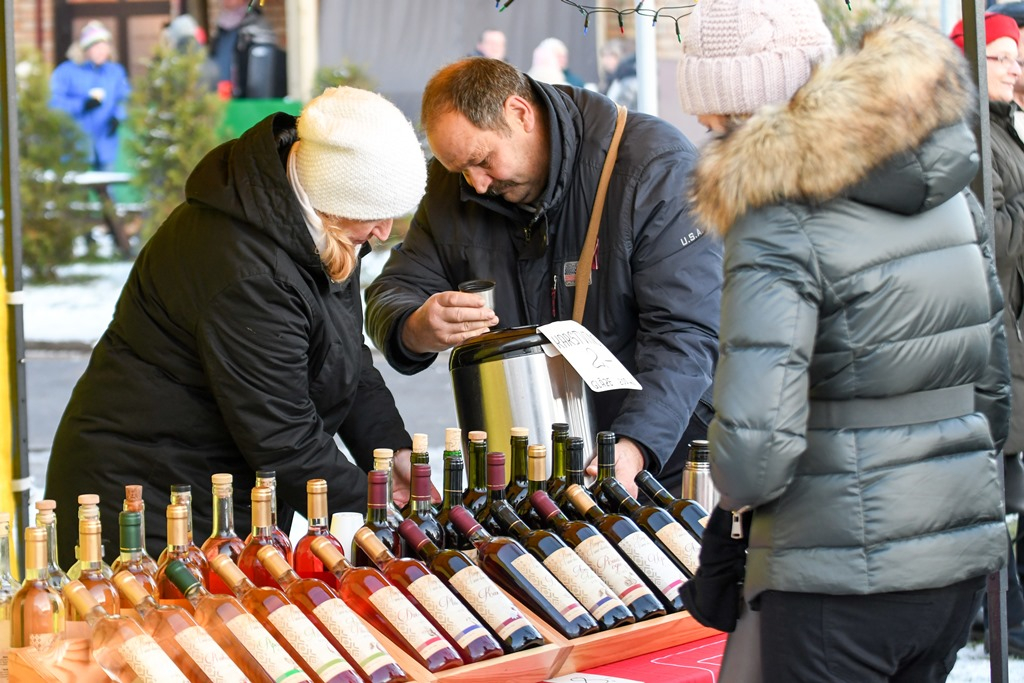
(93, 89)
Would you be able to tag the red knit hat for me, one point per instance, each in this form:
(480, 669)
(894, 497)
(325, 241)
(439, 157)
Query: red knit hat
(996, 26)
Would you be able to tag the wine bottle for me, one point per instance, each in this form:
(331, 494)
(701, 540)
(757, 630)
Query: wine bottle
(133, 502)
(46, 518)
(189, 646)
(37, 609)
(420, 510)
(177, 549)
(262, 535)
(307, 564)
(374, 598)
(689, 513)
(181, 494)
(518, 572)
(8, 587)
(268, 479)
(377, 518)
(667, 533)
(480, 594)
(289, 626)
(122, 649)
(130, 559)
(536, 463)
(241, 636)
(631, 541)
(515, 492)
(90, 572)
(88, 508)
(223, 539)
(425, 591)
(452, 497)
(475, 496)
(605, 470)
(335, 620)
(573, 471)
(559, 453)
(559, 559)
(594, 549)
(495, 493)
(383, 461)
(420, 454)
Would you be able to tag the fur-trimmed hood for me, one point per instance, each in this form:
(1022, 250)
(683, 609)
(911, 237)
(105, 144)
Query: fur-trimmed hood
(905, 82)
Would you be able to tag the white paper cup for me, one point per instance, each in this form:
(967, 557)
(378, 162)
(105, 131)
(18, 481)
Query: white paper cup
(344, 526)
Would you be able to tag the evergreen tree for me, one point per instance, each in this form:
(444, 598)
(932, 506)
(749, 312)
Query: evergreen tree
(50, 145)
(173, 118)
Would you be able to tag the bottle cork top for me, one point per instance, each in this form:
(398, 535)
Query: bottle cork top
(133, 492)
(270, 475)
(477, 435)
(521, 432)
(177, 512)
(383, 453)
(273, 561)
(227, 570)
(261, 494)
(130, 587)
(412, 534)
(371, 545)
(579, 498)
(45, 517)
(325, 550)
(419, 443)
(221, 479)
(88, 499)
(181, 488)
(453, 439)
(89, 526)
(606, 437)
(316, 486)
(79, 597)
(46, 504)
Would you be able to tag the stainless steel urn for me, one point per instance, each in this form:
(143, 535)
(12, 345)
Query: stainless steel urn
(515, 378)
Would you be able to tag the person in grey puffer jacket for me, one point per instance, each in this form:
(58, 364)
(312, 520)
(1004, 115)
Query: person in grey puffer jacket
(863, 374)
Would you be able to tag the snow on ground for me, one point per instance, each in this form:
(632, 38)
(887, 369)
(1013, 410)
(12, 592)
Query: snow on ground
(79, 312)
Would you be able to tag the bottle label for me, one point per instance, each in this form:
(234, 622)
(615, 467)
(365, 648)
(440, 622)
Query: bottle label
(451, 614)
(606, 562)
(548, 586)
(267, 651)
(681, 544)
(489, 602)
(5, 646)
(42, 641)
(206, 653)
(582, 582)
(344, 625)
(408, 621)
(653, 563)
(149, 663)
(307, 640)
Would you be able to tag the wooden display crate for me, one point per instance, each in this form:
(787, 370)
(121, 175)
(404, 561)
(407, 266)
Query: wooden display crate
(528, 666)
(71, 662)
(605, 647)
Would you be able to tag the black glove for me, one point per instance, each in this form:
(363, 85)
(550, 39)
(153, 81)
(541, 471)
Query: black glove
(714, 595)
(91, 104)
(112, 125)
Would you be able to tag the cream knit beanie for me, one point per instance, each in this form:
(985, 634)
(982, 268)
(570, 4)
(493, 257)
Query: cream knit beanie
(739, 55)
(359, 157)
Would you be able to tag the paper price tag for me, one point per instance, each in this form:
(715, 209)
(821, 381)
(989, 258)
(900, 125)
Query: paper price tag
(598, 367)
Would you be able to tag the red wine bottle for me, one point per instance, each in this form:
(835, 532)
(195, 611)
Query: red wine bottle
(689, 513)
(495, 493)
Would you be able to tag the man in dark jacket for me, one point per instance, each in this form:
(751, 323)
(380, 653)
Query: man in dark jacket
(237, 343)
(509, 196)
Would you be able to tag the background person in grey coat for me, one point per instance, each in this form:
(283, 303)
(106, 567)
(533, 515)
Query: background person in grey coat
(863, 371)
(509, 197)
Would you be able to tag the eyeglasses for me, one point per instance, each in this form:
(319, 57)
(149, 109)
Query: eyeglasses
(1005, 61)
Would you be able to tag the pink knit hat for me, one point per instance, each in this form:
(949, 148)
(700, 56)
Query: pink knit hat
(740, 55)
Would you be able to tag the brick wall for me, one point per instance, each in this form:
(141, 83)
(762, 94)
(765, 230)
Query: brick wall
(27, 27)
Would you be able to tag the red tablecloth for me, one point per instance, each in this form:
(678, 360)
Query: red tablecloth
(696, 662)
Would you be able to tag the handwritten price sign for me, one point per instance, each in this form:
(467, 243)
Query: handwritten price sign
(598, 367)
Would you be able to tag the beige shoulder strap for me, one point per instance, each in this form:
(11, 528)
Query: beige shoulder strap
(585, 264)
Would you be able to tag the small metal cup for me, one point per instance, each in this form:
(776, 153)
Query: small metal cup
(484, 288)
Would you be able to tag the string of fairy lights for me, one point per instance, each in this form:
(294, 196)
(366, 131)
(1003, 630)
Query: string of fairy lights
(673, 13)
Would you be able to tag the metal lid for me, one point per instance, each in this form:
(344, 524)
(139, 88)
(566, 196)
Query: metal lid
(698, 451)
(498, 345)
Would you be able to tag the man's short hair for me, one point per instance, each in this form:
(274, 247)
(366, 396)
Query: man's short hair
(477, 88)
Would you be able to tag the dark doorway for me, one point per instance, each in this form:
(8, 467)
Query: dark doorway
(135, 25)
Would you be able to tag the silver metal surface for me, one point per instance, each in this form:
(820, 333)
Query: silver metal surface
(697, 485)
(531, 391)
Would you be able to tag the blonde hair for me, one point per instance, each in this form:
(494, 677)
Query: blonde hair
(338, 254)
